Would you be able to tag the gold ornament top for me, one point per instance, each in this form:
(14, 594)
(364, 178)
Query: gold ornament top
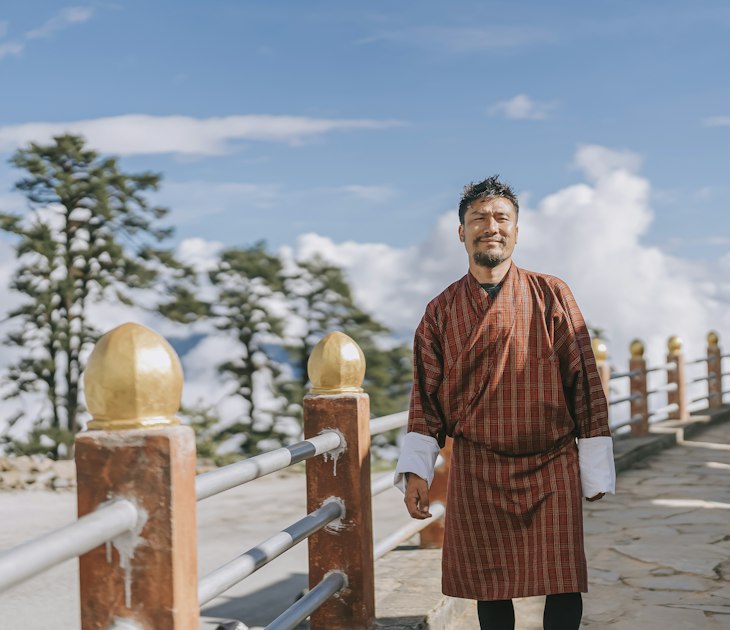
(133, 380)
(636, 348)
(336, 365)
(674, 344)
(713, 339)
(600, 350)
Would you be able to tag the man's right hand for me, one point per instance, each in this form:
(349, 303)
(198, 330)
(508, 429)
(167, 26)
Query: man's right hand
(416, 498)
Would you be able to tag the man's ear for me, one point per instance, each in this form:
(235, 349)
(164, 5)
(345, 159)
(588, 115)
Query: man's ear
(517, 233)
(461, 233)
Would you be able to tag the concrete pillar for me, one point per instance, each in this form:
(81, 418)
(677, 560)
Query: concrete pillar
(136, 450)
(640, 406)
(336, 370)
(678, 376)
(714, 371)
(600, 351)
(432, 537)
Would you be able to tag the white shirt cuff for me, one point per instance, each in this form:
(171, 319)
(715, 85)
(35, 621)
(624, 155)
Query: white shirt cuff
(418, 455)
(597, 469)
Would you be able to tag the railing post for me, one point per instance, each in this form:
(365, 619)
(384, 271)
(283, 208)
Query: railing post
(432, 537)
(336, 370)
(679, 395)
(640, 406)
(135, 450)
(714, 371)
(600, 351)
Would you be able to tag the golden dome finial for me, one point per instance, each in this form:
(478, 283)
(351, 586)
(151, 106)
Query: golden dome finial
(336, 365)
(600, 350)
(713, 339)
(133, 380)
(674, 344)
(636, 348)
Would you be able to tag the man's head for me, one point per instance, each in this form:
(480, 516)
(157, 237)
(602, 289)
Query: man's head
(488, 222)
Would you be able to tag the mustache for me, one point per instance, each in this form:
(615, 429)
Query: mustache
(502, 241)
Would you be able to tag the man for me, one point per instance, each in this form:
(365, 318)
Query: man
(503, 363)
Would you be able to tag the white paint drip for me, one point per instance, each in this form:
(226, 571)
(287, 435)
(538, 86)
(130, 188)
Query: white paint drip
(337, 452)
(336, 525)
(124, 624)
(125, 544)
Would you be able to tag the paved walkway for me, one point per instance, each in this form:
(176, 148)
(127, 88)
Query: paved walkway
(659, 551)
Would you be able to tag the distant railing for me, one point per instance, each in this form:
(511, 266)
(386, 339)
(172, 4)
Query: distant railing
(643, 406)
(137, 488)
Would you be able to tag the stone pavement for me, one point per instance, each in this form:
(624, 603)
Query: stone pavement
(659, 551)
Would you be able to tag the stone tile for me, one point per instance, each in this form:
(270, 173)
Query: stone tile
(669, 583)
(671, 552)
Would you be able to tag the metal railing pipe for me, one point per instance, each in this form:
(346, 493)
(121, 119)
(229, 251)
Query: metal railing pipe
(663, 410)
(629, 398)
(231, 573)
(696, 361)
(404, 533)
(296, 613)
(631, 421)
(629, 374)
(669, 367)
(669, 387)
(77, 538)
(386, 423)
(217, 481)
(700, 398)
(381, 484)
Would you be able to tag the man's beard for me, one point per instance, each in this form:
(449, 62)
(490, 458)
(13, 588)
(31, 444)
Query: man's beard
(484, 259)
(488, 259)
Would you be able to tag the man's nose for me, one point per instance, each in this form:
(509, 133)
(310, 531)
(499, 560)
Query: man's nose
(491, 226)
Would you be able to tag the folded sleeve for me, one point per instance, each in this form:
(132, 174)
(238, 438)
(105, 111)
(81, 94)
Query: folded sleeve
(597, 469)
(417, 455)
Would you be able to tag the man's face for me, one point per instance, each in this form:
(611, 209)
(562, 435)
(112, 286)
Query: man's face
(490, 230)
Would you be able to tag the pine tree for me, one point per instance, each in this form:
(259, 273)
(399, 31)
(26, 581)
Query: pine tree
(90, 235)
(248, 282)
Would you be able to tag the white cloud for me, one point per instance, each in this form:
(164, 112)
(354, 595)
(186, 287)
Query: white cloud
(716, 121)
(136, 134)
(67, 17)
(522, 107)
(460, 40)
(376, 194)
(590, 234)
(10, 48)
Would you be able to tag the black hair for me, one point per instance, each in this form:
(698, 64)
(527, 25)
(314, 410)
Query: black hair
(490, 187)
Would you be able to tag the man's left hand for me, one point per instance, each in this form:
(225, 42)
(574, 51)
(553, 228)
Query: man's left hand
(598, 497)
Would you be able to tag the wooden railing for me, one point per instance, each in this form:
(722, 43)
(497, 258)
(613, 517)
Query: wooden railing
(137, 488)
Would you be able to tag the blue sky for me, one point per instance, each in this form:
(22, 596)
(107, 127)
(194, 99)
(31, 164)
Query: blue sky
(444, 92)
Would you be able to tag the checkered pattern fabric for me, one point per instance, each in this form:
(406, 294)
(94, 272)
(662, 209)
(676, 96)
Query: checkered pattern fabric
(513, 379)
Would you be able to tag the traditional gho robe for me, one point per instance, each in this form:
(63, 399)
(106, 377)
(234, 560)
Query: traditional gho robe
(513, 379)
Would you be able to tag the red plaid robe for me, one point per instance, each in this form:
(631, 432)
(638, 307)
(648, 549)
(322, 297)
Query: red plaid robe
(514, 381)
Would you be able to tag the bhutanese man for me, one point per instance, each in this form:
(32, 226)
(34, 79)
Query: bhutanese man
(503, 364)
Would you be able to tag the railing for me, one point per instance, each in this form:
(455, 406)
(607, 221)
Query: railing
(137, 493)
(137, 489)
(645, 405)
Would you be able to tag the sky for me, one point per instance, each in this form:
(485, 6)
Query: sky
(349, 129)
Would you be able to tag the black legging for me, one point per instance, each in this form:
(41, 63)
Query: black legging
(563, 611)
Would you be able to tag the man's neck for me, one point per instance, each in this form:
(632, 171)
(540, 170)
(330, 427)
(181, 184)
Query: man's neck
(490, 275)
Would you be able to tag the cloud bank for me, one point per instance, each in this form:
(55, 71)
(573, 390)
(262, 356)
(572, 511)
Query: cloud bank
(138, 134)
(521, 107)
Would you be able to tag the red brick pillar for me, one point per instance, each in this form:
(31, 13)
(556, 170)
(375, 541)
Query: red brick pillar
(678, 376)
(714, 371)
(432, 537)
(640, 406)
(136, 451)
(336, 370)
(600, 351)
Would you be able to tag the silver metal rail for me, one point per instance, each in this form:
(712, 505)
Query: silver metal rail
(633, 420)
(700, 398)
(217, 481)
(404, 533)
(663, 410)
(381, 484)
(77, 538)
(296, 613)
(386, 423)
(630, 374)
(669, 387)
(669, 367)
(231, 573)
(630, 398)
(696, 361)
